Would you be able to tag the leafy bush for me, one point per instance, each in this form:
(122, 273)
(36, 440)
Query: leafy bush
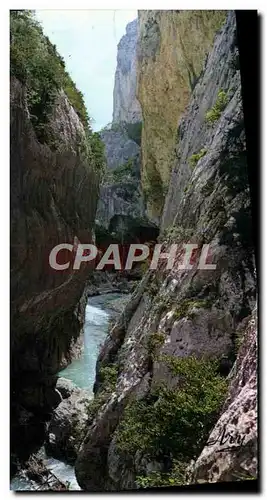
(196, 157)
(215, 112)
(76, 98)
(175, 422)
(108, 377)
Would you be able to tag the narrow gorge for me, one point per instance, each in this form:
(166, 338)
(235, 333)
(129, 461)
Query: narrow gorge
(145, 377)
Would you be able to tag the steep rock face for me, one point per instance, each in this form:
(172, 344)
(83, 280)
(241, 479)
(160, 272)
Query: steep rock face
(125, 105)
(172, 47)
(54, 190)
(232, 445)
(194, 312)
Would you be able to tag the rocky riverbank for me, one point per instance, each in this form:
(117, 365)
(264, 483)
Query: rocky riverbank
(51, 468)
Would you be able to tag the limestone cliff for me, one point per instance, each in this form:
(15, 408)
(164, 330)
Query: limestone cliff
(172, 48)
(54, 189)
(176, 341)
(126, 107)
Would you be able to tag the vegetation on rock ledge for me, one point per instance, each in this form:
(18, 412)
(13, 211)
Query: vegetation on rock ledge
(193, 160)
(174, 422)
(215, 112)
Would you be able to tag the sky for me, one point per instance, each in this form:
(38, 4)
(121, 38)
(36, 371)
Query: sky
(87, 40)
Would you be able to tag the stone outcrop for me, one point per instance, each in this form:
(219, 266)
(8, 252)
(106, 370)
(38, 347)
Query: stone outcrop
(194, 312)
(172, 48)
(126, 107)
(54, 190)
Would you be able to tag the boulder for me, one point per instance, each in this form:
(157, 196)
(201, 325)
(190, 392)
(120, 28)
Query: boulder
(67, 426)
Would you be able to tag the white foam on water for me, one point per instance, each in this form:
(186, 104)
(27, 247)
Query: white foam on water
(96, 316)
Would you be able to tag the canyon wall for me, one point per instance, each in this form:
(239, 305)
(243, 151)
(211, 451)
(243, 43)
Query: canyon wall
(171, 51)
(183, 351)
(55, 177)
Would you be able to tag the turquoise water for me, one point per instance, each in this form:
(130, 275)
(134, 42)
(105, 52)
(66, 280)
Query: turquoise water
(99, 310)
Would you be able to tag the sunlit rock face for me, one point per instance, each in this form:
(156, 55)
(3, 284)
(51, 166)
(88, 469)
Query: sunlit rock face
(172, 49)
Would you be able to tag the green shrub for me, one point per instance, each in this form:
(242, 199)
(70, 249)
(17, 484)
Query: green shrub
(133, 130)
(215, 112)
(238, 340)
(162, 304)
(174, 422)
(108, 377)
(196, 157)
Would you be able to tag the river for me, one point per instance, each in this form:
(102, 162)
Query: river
(99, 311)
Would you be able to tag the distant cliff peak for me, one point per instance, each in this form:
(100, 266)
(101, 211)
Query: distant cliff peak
(125, 105)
